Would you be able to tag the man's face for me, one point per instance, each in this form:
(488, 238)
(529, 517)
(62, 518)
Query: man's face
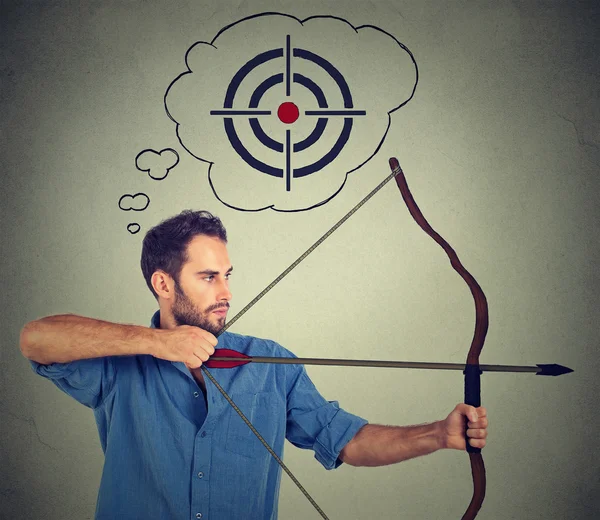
(202, 295)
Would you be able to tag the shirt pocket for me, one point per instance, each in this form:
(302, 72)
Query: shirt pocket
(265, 413)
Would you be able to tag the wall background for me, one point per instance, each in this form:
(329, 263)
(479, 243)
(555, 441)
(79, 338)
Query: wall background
(500, 147)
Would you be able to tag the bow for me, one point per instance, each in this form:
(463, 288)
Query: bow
(472, 370)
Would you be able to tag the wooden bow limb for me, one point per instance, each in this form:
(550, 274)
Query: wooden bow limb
(472, 370)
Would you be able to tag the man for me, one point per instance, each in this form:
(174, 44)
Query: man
(173, 446)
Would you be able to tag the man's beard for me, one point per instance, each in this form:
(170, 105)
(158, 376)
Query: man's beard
(185, 313)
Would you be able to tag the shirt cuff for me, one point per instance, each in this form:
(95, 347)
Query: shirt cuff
(53, 370)
(332, 439)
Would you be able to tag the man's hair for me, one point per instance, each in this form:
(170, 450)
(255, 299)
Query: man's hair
(165, 245)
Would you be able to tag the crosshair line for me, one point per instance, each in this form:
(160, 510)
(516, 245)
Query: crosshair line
(288, 66)
(335, 113)
(288, 160)
(232, 112)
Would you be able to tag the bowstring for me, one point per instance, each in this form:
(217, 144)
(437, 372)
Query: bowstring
(309, 250)
(395, 171)
(265, 443)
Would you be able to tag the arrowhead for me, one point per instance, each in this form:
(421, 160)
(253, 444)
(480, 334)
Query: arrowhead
(553, 370)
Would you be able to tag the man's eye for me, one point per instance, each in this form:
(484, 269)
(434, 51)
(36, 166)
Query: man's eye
(209, 278)
(227, 276)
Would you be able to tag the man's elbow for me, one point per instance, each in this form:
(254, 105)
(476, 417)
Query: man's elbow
(29, 339)
(33, 329)
(25, 339)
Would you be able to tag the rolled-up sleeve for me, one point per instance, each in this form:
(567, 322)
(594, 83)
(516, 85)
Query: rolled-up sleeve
(317, 424)
(88, 381)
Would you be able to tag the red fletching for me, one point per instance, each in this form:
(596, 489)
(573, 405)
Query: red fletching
(237, 359)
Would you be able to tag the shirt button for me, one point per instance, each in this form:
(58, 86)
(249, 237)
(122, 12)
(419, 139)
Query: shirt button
(196, 394)
(198, 515)
(203, 434)
(200, 474)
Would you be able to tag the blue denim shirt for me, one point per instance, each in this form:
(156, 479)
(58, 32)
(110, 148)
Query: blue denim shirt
(169, 457)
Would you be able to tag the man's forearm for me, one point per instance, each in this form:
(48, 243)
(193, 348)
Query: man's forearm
(376, 445)
(67, 337)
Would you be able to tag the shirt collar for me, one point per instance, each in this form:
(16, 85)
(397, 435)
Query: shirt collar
(155, 320)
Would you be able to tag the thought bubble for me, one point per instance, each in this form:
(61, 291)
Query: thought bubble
(133, 228)
(137, 202)
(283, 109)
(157, 164)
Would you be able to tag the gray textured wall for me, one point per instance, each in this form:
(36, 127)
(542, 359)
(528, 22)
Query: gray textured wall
(501, 149)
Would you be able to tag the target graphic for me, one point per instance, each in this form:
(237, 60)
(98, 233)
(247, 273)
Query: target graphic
(287, 112)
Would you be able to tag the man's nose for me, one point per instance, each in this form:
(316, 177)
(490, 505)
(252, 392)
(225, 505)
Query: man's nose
(224, 292)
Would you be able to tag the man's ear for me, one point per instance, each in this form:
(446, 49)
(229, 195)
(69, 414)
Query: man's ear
(163, 284)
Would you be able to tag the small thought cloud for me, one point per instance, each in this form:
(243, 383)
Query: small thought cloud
(137, 202)
(157, 164)
(284, 109)
(133, 227)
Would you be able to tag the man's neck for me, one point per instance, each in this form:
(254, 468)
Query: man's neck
(168, 322)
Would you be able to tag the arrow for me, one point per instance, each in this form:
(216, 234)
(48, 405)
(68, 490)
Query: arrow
(227, 358)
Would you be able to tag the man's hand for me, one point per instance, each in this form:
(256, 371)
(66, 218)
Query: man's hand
(453, 427)
(190, 345)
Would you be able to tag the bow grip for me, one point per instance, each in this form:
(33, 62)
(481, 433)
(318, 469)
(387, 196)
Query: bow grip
(472, 393)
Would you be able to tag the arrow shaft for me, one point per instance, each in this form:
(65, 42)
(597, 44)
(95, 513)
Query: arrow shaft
(378, 364)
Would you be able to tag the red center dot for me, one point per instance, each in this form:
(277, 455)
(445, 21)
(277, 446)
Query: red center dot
(288, 112)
